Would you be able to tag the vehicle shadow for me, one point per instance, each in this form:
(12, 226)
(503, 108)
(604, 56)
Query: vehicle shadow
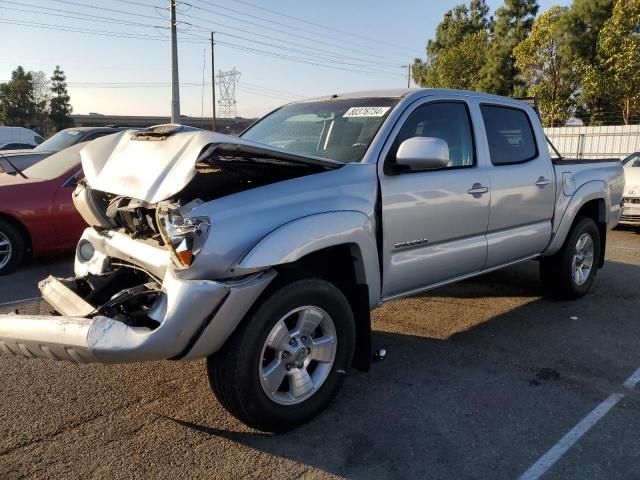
(486, 402)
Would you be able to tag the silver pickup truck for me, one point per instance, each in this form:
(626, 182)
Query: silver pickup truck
(265, 253)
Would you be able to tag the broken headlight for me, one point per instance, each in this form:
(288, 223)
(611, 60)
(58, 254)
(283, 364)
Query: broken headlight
(184, 236)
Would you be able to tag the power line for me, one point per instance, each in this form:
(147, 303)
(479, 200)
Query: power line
(271, 21)
(377, 40)
(295, 35)
(313, 49)
(317, 57)
(81, 16)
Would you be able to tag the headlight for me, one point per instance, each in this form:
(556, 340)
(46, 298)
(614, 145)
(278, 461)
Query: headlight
(184, 236)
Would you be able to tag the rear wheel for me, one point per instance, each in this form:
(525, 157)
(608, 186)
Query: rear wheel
(570, 273)
(12, 247)
(286, 361)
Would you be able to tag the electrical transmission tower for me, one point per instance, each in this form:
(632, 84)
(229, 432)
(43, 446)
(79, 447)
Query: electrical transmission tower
(227, 86)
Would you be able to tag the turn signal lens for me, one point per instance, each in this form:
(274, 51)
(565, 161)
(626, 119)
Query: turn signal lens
(183, 235)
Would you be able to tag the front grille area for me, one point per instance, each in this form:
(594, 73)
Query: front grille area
(631, 200)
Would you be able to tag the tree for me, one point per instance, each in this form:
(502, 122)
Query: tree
(60, 108)
(549, 76)
(453, 36)
(459, 65)
(581, 26)
(512, 25)
(619, 51)
(17, 106)
(41, 98)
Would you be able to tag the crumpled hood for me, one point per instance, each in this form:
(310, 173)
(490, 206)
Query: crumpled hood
(632, 182)
(148, 170)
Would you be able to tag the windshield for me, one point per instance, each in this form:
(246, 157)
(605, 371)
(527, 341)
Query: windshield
(56, 164)
(334, 129)
(60, 140)
(632, 161)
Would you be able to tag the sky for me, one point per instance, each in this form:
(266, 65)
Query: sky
(116, 53)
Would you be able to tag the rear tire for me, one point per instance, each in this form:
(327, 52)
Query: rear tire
(280, 368)
(570, 273)
(12, 247)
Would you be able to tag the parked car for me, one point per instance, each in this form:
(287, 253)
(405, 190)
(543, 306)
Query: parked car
(65, 138)
(14, 138)
(267, 260)
(15, 146)
(37, 215)
(631, 196)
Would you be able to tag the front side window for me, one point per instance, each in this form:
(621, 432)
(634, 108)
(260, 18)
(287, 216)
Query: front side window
(338, 129)
(509, 134)
(446, 120)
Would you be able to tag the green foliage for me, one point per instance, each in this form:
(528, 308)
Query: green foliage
(581, 26)
(550, 76)
(60, 108)
(17, 105)
(459, 66)
(619, 53)
(513, 23)
(583, 60)
(452, 61)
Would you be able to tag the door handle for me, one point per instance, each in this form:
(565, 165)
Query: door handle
(543, 182)
(477, 189)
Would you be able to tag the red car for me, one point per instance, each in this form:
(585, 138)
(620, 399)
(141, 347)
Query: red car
(37, 215)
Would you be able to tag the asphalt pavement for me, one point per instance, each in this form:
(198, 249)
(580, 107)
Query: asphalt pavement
(485, 379)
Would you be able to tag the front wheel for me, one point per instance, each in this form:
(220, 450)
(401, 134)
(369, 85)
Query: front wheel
(286, 361)
(12, 247)
(570, 273)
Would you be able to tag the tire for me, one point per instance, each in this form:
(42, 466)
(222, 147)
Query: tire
(236, 372)
(558, 272)
(12, 247)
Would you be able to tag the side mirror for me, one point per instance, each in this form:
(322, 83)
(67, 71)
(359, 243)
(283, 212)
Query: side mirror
(423, 153)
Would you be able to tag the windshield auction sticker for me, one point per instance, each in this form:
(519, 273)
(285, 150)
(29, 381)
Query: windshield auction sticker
(366, 112)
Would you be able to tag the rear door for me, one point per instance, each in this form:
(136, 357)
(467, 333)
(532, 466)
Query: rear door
(522, 185)
(434, 222)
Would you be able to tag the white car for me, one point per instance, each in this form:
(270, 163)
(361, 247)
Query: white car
(631, 196)
(18, 138)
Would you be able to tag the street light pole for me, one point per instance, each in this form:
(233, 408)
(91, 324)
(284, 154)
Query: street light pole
(213, 84)
(175, 82)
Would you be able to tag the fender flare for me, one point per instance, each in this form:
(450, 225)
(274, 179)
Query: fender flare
(593, 190)
(298, 238)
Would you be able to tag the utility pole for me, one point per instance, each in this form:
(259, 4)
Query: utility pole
(409, 76)
(175, 82)
(213, 84)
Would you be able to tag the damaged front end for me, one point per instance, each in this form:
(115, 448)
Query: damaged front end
(126, 314)
(135, 296)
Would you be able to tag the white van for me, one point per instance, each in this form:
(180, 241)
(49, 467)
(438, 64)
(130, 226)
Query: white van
(18, 138)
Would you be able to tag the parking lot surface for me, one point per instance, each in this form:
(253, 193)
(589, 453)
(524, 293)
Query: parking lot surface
(481, 380)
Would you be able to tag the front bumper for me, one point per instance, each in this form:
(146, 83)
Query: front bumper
(630, 212)
(192, 318)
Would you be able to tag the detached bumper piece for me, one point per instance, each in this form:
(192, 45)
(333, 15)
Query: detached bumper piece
(185, 319)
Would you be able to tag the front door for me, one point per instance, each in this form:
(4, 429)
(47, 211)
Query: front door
(434, 221)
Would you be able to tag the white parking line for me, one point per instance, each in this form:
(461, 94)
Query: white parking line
(14, 302)
(556, 452)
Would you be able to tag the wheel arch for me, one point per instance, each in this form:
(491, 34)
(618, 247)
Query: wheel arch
(590, 200)
(21, 228)
(337, 246)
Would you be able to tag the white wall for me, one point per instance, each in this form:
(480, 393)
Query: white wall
(596, 142)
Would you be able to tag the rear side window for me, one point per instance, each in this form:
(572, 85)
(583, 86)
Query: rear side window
(509, 134)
